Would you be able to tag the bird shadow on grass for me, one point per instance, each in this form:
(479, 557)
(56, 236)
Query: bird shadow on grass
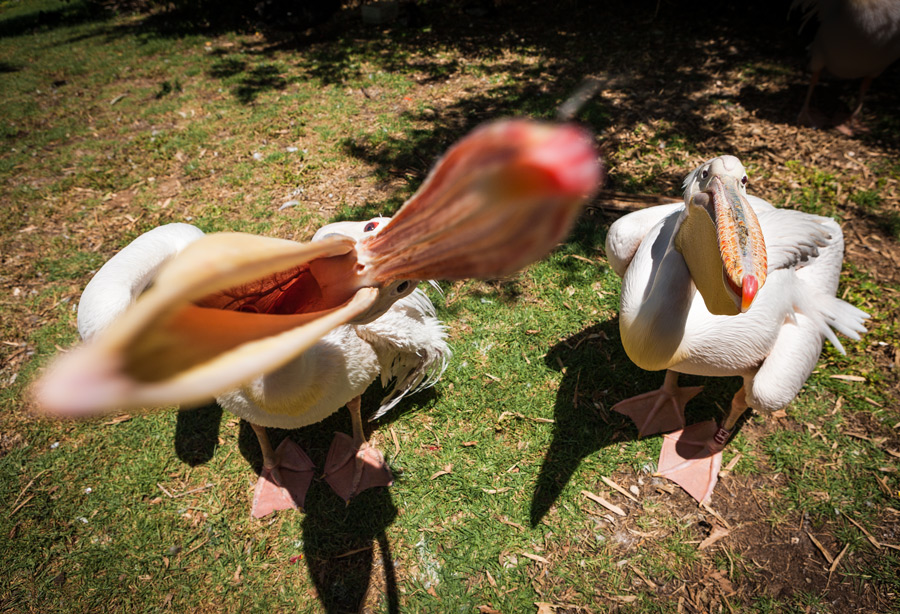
(197, 433)
(345, 546)
(597, 374)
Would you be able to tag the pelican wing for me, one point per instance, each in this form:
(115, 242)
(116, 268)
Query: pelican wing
(793, 238)
(627, 233)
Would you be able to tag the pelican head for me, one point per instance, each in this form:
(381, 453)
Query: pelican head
(720, 237)
(232, 306)
(336, 269)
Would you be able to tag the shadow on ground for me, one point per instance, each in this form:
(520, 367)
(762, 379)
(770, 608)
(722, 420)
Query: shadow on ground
(597, 375)
(345, 546)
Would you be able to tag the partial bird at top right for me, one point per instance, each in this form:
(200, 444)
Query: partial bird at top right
(856, 39)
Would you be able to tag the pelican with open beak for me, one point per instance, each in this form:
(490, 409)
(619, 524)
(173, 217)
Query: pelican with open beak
(218, 311)
(723, 284)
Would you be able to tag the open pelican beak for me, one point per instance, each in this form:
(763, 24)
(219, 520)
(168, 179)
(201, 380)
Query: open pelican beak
(723, 245)
(232, 306)
(499, 200)
(229, 307)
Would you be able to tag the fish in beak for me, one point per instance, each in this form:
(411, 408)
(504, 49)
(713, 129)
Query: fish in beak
(720, 237)
(232, 306)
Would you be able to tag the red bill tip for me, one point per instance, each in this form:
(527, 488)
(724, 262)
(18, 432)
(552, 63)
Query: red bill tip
(749, 288)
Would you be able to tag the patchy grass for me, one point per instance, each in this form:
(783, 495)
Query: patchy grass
(113, 125)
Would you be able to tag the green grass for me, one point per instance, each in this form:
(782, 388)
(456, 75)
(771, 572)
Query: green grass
(112, 126)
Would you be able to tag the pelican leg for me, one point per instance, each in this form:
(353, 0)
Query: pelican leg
(286, 475)
(808, 117)
(692, 457)
(661, 410)
(852, 124)
(353, 465)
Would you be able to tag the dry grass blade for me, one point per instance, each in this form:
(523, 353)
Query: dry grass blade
(868, 535)
(344, 555)
(27, 486)
(535, 557)
(118, 420)
(190, 492)
(510, 523)
(717, 516)
(396, 442)
(646, 580)
(615, 509)
(445, 471)
(511, 414)
(618, 488)
(837, 559)
(821, 548)
(22, 504)
(848, 378)
(730, 466)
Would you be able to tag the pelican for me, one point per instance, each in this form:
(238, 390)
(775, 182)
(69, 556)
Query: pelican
(856, 39)
(723, 284)
(286, 333)
(405, 345)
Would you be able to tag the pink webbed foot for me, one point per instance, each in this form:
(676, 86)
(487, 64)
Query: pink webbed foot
(284, 485)
(850, 126)
(692, 458)
(350, 470)
(658, 411)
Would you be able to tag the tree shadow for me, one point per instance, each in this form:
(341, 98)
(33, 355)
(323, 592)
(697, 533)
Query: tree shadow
(70, 14)
(652, 58)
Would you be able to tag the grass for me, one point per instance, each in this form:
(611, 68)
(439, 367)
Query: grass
(113, 125)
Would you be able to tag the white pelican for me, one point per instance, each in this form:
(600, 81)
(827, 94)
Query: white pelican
(856, 39)
(244, 317)
(406, 344)
(724, 284)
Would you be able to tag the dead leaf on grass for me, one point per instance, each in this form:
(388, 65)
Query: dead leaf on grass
(724, 583)
(446, 470)
(487, 609)
(715, 535)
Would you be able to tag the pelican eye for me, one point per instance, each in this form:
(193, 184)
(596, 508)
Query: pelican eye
(744, 181)
(370, 227)
(402, 287)
(704, 174)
